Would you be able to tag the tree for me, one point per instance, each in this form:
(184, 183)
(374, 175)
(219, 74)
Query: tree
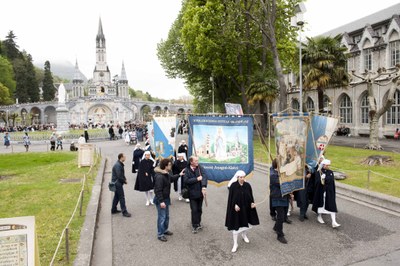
(10, 48)
(31, 81)
(374, 114)
(324, 65)
(7, 78)
(47, 83)
(5, 98)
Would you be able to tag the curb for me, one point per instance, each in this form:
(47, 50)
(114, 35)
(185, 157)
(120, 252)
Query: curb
(88, 231)
(381, 200)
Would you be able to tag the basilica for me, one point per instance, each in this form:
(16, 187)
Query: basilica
(103, 99)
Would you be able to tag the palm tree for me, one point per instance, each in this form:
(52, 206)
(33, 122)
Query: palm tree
(324, 65)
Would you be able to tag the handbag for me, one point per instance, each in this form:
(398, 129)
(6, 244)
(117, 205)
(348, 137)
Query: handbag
(185, 192)
(111, 186)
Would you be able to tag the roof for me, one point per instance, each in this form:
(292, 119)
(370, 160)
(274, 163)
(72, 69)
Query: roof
(374, 18)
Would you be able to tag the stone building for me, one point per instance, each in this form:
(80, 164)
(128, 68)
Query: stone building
(103, 99)
(372, 42)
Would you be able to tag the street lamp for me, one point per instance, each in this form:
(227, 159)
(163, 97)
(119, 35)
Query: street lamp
(298, 21)
(212, 85)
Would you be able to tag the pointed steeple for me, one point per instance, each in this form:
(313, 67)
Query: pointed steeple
(123, 73)
(100, 38)
(77, 72)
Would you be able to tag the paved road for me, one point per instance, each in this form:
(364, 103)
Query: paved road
(367, 236)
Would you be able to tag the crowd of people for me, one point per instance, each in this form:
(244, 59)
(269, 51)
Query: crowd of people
(156, 177)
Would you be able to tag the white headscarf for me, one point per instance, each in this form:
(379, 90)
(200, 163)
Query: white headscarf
(236, 176)
(324, 162)
(151, 157)
(137, 147)
(183, 155)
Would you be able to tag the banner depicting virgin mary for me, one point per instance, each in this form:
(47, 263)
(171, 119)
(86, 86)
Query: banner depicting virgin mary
(224, 145)
(290, 140)
(164, 136)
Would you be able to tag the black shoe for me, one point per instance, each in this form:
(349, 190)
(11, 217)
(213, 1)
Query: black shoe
(301, 218)
(273, 218)
(126, 214)
(288, 221)
(305, 217)
(282, 239)
(168, 233)
(116, 211)
(162, 238)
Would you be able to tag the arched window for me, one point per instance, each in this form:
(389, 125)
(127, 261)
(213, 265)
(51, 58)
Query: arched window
(310, 105)
(327, 104)
(346, 110)
(393, 114)
(295, 105)
(364, 110)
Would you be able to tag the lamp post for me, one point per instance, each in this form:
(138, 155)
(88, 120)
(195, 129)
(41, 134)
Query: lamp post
(298, 21)
(212, 85)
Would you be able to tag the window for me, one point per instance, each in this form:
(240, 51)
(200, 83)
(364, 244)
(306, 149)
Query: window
(364, 110)
(394, 48)
(368, 59)
(345, 110)
(295, 105)
(393, 114)
(310, 105)
(327, 103)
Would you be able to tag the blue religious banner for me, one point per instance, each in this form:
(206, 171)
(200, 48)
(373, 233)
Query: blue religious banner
(290, 140)
(164, 136)
(319, 134)
(224, 145)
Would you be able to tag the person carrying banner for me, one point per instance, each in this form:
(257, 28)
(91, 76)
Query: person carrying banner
(179, 165)
(325, 193)
(145, 177)
(301, 196)
(279, 202)
(196, 181)
(241, 211)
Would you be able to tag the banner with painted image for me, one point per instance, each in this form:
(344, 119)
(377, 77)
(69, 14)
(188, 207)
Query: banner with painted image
(233, 109)
(291, 140)
(164, 136)
(319, 134)
(150, 130)
(224, 145)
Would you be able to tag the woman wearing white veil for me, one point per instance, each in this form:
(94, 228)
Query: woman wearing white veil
(145, 177)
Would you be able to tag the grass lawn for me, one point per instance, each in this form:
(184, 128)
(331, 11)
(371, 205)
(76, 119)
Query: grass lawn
(348, 160)
(30, 186)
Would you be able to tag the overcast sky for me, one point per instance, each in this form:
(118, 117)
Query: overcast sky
(66, 30)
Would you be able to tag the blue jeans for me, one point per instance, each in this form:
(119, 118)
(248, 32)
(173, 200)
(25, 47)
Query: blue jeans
(163, 217)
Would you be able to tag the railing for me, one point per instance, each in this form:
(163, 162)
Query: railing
(79, 204)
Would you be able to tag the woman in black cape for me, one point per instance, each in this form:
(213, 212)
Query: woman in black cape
(145, 177)
(137, 157)
(241, 211)
(179, 164)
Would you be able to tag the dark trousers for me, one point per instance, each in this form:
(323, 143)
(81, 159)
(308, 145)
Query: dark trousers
(273, 211)
(119, 196)
(280, 217)
(196, 207)
(303, 200)
(52, 145)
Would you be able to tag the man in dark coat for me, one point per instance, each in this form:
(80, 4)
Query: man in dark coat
(196, 181)
(241, 211)
(86, 135)
(325, 193)
(179, 165)
(137, 157)
(118, 176)
(145, 177)
(162, 189)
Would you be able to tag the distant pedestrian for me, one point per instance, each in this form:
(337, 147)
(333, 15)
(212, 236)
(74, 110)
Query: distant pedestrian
(111, 132)
(241, 211)
(145, 177)
(26, 141)
(81, 140)
(278, 202)
(325, 193)
(86, 134)
(7, 140)
(53, 139)
(118, 176)
(162, 200)
(120, 131)
(59, 142)
(196, 181)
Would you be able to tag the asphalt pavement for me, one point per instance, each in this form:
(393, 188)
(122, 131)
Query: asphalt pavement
(367, 236)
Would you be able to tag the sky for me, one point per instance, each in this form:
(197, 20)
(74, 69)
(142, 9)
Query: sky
(65, 30)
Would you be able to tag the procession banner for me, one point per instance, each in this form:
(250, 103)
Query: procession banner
(290, 140)
(164, 136)
(319, 134)
(233, 109)
(224, 145)
(150, 129)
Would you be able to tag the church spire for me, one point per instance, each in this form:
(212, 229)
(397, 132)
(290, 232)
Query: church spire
(123, 73)
(77, 72)
(100, 38)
